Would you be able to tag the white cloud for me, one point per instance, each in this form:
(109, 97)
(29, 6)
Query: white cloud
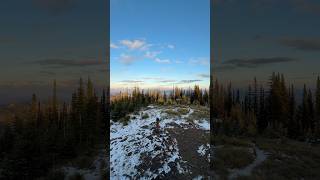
(144, 51)
(199, 61)
(127, 59)
(178, 62)
(134, 44)
(114, 46)
(152, 54)
(170, 46)
(165, 61)
(146, 47)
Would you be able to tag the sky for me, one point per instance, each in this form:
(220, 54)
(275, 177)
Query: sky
(42, 40)
(258, 37)
(154, 43)
(159, 44)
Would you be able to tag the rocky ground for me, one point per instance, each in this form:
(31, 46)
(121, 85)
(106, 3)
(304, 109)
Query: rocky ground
(177, 150)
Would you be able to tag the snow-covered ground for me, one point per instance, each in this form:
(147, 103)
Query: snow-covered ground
(139, 150)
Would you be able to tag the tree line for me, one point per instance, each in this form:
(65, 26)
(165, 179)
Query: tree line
(125, 102)
(52, 132)
(272, 110)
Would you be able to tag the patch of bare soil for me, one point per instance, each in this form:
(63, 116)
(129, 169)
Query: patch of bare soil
(155, 164)
(189, 141)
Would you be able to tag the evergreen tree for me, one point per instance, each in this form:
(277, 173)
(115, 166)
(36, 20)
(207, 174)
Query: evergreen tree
(311, 112)
(293, 126)
(255, 96)
(34, 105)
(54, 102)
(317, 107)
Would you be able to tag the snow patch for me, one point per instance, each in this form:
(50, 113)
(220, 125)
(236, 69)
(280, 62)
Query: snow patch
(139, 150)
(203, 124)
(136, 144)
(202, 150)
(198, 178)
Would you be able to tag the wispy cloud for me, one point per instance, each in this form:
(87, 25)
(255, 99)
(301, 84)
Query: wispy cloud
(168, 81)
(113, 46)
(135, 44)
(142, 49)
(67, 62)
(189, 81)
(204, 75)
(152, 54)
(199, 61)
(170, 46)
(132, 81)
(164, 61)
(303, 44)
(127, 59)
(222, 68)
(257, 61)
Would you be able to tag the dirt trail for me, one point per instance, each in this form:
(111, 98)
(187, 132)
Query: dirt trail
(246, 171)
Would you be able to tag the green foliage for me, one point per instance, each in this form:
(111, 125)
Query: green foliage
(272, 112)
(125, 103)
(50, 133)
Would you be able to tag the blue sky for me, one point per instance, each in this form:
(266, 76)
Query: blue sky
(158, 43)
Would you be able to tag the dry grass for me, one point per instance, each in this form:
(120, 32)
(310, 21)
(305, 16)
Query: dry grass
(145, 116)
(288, 159)
(125, 120)
(200, 114)
(234, 157)
(233, 141)
(172, 113)
(183, 111)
